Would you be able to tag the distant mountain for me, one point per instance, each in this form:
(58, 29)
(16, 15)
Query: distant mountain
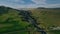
(47, 8)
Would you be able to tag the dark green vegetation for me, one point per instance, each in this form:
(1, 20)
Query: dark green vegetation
(11, 22)
(14, 21)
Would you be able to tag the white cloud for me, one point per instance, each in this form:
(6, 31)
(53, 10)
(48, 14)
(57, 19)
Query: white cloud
(21, 1)
(13, 0)
(52, 5)
(35, 6)
(15, 3)
(39, 1)
(16, 0)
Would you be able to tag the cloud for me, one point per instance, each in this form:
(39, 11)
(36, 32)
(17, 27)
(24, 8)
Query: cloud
(17, 0)
(39, 1)
(13, 0)
(22, 3)
(52, 5)
(25, 4)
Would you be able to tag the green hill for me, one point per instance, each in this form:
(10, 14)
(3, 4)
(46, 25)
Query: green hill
(14, 21)
(11, 22)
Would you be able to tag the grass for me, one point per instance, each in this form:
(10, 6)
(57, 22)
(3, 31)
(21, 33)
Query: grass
(47, 18)
(11, 22)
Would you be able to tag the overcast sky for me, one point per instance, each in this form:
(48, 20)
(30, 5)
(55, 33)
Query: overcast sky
(30, 3)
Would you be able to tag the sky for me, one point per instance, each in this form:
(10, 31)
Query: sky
(30, 3)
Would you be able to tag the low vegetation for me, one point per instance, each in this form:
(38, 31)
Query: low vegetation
(13, 21)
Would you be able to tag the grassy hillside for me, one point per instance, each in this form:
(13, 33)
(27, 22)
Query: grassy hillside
(13, 21)
(47, 18)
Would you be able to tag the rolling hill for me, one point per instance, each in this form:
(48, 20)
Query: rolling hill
(14, 21)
